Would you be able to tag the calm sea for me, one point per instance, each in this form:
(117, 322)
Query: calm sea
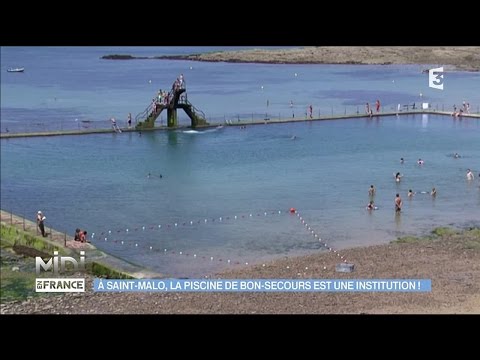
(323, 169)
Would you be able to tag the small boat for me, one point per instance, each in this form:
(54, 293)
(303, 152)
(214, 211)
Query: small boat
(16, 69)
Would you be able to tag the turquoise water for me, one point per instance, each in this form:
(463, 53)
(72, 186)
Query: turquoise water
(323, 169)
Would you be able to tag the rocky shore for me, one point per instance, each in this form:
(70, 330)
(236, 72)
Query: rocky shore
(451, 261)
(465, 58)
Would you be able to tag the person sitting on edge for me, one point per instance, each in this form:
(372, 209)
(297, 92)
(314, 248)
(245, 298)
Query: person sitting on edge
(83, 236)
(77, 234)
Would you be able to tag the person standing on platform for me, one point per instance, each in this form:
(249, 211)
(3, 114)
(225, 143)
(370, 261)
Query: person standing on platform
(40, 223)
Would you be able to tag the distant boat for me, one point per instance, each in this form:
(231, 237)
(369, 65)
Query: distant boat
(16, 69)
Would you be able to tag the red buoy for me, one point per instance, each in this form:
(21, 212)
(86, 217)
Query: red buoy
(293, 210)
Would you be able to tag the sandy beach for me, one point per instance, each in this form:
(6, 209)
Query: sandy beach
(452, 57)
(451, 261)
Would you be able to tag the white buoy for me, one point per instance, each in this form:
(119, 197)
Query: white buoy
(194, 255)
(136, 245)
(151, 248)
(176, 224)
(122, 242)
(296, 74)
(246, 263)
(191, 222)
(159, 226)
(143, 227)
(180, 253)
(149, 81)
(126, 230)
(211, 258)
(109, 231)
(228, 261)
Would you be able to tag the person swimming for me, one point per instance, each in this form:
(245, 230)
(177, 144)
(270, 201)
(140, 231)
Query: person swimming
(410, 193)
(434, 192)
(398, 176)
(456, 156)
(402, 160)
(420, 162)
(150, 175)
(470, 175)
(371, 206)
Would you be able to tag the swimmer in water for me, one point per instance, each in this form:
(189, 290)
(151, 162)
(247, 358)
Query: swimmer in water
(410, 193)
(398, 203)
(456, 156)
(434, 192)
(420, 162)
(398, 176)
(370, 206)
(372, 191)
(470, 175)
(402, 161)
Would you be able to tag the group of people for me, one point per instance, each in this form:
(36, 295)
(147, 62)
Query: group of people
(369, 110)
(398, 200)
(80, 235)
(465, 109)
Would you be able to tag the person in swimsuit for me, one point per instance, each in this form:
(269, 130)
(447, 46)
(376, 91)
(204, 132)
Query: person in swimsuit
(398, 203)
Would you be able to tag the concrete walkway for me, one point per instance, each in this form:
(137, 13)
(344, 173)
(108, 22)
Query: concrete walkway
(64, 240)
(235, 122)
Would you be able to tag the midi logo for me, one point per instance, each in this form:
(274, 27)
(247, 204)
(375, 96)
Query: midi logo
(58, 264)
(435, 78)
(53, 262)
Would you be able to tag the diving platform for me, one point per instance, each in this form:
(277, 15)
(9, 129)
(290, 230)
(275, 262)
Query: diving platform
(171, 102)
